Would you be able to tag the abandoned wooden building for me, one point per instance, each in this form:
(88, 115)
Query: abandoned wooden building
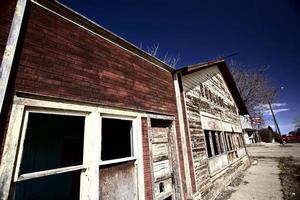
(87, 115)
(213, 107)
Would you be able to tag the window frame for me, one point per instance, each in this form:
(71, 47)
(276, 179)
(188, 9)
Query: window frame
(132, 140)
(219, 135)
(90, 167)
(42, 173)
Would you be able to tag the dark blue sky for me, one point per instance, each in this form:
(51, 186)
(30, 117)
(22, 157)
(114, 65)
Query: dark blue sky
(265, 32)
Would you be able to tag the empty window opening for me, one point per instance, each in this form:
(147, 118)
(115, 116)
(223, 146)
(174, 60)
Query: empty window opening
(208, 143)
(71, 154)
(214, 143)
(60, 187)
(161, 187)
(52, 141)
(116, 139)
(168, 198)
(159, 123)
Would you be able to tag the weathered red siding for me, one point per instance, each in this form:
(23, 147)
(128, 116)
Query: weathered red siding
(146, 156)
(60, 59)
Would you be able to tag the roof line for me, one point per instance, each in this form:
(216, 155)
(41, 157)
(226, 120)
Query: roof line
(221, 64)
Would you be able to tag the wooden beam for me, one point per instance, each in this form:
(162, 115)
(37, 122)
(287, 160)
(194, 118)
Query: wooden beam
(89, 185)
(49, 172)
(183, 138)
(115, 161)
(10, 48)
(10, 149)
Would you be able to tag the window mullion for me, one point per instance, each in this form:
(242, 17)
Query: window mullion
(218, 142)
(211, 143)
(21, 143)
(222, 136)
(91, 157)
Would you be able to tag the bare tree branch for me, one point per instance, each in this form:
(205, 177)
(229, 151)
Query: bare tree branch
(254, 86)
(153, 50)
(170, 60)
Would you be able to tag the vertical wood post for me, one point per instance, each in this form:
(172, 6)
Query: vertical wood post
(10, 48)
(10, 150)
(91, 157)
(183, 138)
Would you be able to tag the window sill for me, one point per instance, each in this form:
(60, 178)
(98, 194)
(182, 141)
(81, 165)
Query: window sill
(219, 155)
(221, 170)
(115, 161)
(49, 172)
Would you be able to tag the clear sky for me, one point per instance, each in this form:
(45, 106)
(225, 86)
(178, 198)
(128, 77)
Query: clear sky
(265, 32)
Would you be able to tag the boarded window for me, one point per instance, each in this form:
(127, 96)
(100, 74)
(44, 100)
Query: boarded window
(116, 139)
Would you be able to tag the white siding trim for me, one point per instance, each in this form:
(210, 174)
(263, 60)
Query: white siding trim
(10, 149)
(183, 138)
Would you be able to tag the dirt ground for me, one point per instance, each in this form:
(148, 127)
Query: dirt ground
(290, 178)
(274, 174)
(274, 150)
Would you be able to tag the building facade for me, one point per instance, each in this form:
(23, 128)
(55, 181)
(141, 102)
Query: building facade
(213, 108)
(87, 115)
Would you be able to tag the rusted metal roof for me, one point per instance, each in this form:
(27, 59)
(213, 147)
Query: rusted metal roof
(227, 77)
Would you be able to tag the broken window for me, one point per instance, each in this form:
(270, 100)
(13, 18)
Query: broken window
(60, 186)
(52, 142)
(232, 143)
(116, 139)
(56, 147)
(214, 143)
(239, 140)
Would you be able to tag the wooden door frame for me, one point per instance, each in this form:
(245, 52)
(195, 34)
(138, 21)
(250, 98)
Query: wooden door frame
(176, 178)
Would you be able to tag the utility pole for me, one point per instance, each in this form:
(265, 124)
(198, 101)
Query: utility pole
(274, 118)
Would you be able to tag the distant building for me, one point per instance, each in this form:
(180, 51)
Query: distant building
(249, 133)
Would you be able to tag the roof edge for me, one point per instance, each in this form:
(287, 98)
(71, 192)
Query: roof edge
(221, 64)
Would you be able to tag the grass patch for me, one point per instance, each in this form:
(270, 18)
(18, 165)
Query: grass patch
(290, 178)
